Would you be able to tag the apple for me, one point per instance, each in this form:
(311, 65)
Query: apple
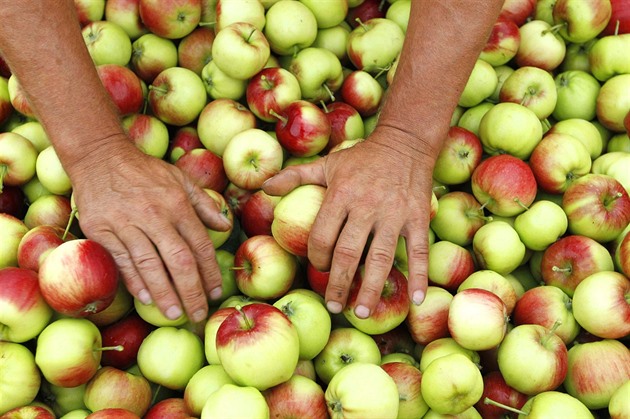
(173, 19)
(613, 103)
(317, 280)
(498, 247)
(391, 309)
(205, 168)
(481, 83)
(290, 26)
(78, 277)
(345, 346)
(30, 411)
(272, 89)
(335, 40)
(477, 319)
(502, 43)
(449, 264)
(129, 332)
(345, 122)
(577, 93)
(13, 201)
(585, 131)
(496, 389)
(184, 139)
(170, 356)
(318, 72)
(546, 305)
(365, 10)
(374, 44)
(18, 98)
(458, 218)
(294, 216)
(258, 346)
(558, 161)
(236, 197)
(451, 384)
(533, 88)
(112, 412)
(363, 92)
(35, 133)
(63, 400)
(542, 224)
(205, 382)
(248, 11)
(251, 157)
(407, 378)
(597, 206)
(210, 332)
(18, 158)
(220, 120)
(429, 321)
(362, 390)
(460, 154)
(123, 87)
(219, 238)
(619, 22)
(617, 407)
(148, 133)
(538, 36)
(107, 43)
(114, 388)
(51, 210)
(240, 50)
(297, 397)
(532, 359)
(51, 173)
(151, 54)
(581, 20)
(6, 109)
(303, 129)
(194, 51)
(236, 401)
(170, 408)
(126, 14)
(493, 282)
(151, 314)
(257, 213)
(517, 11)
(68, 351)
(596, 370)
(510, 128)
(177, 96)
(20, 381)
(13, 230)
(89, 11)
(600, 305)
(470, 118)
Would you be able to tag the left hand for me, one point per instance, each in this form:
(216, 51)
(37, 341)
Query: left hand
(379, 187)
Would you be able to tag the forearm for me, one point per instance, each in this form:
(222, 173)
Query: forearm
(442, 43)
(42, 43)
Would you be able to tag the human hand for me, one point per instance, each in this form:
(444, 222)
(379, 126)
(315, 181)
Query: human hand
(152, 218)
(372, 188)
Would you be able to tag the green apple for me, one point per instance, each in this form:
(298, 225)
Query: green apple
(444, 346)
(618, 406)
(555, 404)
(613, 102)
(374, 45)
(619, 142)
(451, 384)
(221, 86)
(318, 72)
(63, 399)
(327, 13)
(236, 401)
(577, 95)
(225, 259)
(399, 12)
(362, 390)
(177, 96)
(201, 385)
(481, 83)
(581, 20)
(169, 356)
(471, 117)
(229, 12)
(584, 131)
(13, 229)
(20, 379)
(493, 282)
(290, 27)
(542, 224)
(35, 133)
(107, 43)
(497, 246)
(503, 72)
(577, 57)
(151, 55)
(220, 120)
(531, 87)
(544, 10)
(18, 159)
(614, 164)
(311, 320)
(111, 387)
(240, 50)
(333, 39)
(151, 314)
(607, 56)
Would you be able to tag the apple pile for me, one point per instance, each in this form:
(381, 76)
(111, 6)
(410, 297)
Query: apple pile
(528, 306)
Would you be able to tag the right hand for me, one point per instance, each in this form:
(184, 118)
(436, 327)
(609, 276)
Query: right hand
(153, 219)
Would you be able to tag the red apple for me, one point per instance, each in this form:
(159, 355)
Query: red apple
(460, 154)
(429, 321)
(79, 277)
(365, 11)
(184, 139)
(502, 44)
(408, 379)
(297, 397)
(112, 413)
(257, 214)
(171, 19)
(619, 19)
(346, 124)
(303, 129)
(18, 98)
(37, 243)
(123, 86)
(171, 408)
(363, 92)
(205, 168)
(52, 210)
(458, 218)
(13, 201)
(236, 197)
(129, 332)
(270, 91)
(518, 10)
(114, 388)
(317, 280)
(398, 340)
(194, 51)
(126, 14)
(28, 412)
(495, 388)
(449, 265)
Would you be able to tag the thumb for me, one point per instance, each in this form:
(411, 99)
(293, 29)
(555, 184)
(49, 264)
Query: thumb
(291, 177)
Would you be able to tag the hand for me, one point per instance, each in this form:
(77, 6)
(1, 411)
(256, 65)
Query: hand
(372, 188)
(152, 218)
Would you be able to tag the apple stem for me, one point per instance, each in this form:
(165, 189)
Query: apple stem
(612, 199)
(617, 27)
(277, 115)
(296, 49)
(144, 106)
(207, 23)
(382, 70)
(155, 395)
(248, 322)
(557, 269)
(158, 89)
(73, 213)
(439, 187)
(117, 348)
(479, 214)
(250, 35)
(236, 268)
(554, 29)
(546, 124)
(381, 5)
(518, 201)
(488, 400)
(324, 107)
(268, 84)
(551, 332)
(3, 171)
(358, 20)
(330, 93)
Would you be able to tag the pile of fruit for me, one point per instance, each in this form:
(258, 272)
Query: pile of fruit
(528, 307)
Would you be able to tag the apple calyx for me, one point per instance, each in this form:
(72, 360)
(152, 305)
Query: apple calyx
(488, 400)
(246, 322)
(335, 406)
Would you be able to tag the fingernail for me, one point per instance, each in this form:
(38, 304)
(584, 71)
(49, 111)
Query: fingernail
(334, 307)
(418, 297)
(173, 312)
(216, 293)
(226, 220)
(199, 316)
(144, 297)
(362, 312)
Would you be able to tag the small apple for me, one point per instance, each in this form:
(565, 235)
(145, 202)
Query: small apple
(429, 321)
(173, 19)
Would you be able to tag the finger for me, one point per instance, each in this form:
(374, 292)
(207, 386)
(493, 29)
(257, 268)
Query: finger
(182, 266)
(293, 176)
(346, 257)
(128, 272)
(203, 250)
(418, 264)
(378, 264)
(208, 210)
(150, 268)
(325, 231)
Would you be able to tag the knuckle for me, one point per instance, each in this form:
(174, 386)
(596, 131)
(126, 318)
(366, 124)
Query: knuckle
(372, 290)
(181, 257)
(344, 252)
